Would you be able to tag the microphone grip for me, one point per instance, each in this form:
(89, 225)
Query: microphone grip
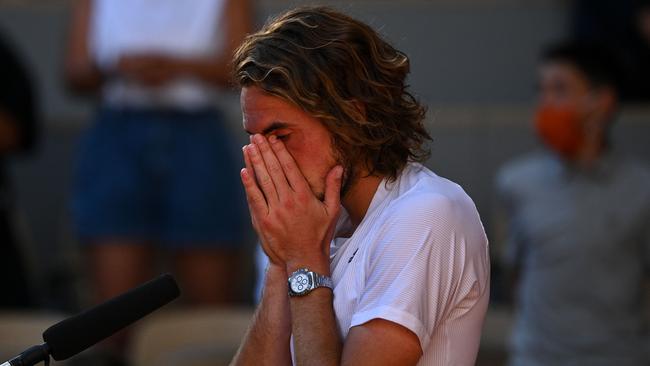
(30, 356)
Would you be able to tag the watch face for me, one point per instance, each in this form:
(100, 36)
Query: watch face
(300, 283)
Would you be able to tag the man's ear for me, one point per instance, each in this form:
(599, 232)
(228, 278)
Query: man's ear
(610, 98)
(604, 102)
(606, 99)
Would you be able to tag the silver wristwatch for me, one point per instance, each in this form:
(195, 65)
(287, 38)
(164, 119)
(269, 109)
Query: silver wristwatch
(304, 281)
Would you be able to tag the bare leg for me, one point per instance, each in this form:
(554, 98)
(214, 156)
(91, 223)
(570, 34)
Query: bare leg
(209, 276)
(116, 267)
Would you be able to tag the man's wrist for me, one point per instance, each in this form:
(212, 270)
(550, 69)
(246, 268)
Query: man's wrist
(275, 272)
(275, 280)
(318, 265)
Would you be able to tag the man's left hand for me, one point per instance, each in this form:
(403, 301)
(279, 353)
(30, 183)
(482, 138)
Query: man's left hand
(294, 226)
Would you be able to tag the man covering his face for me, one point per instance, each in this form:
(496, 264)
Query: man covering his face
(373, 258)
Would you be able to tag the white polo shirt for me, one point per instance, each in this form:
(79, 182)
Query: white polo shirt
(420, 259)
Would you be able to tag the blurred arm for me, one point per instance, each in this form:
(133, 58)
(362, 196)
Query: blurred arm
(507, 252)
(81, 72)
(237, 22)
(509, 246)
(153, 69)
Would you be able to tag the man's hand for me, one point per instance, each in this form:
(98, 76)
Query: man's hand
(294, 226)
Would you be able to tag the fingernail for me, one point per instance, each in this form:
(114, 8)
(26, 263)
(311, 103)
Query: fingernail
(259, 139)
(273, 139)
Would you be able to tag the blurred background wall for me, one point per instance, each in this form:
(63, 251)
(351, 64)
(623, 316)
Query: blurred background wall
(473, 64)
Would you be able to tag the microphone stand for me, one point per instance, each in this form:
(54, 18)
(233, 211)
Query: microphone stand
(31, 356)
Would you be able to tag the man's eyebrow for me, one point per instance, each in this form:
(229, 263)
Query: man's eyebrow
(274, 126)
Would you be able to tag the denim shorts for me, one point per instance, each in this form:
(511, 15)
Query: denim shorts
(170, 177)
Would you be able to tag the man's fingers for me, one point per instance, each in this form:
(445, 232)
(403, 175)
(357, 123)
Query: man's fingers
(251, 175)
(247, 162)
(291, 171)
(272, 164)
(261, 174)
(256, 202)
(333, 189)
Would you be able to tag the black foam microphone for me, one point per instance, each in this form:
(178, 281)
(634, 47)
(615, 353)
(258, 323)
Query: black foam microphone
(73, 335)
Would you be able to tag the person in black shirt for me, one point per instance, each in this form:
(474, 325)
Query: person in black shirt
(17, 134)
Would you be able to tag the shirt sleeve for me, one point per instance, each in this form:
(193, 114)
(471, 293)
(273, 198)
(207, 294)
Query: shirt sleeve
(425, 261)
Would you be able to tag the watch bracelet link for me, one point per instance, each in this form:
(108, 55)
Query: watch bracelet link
(322, 281)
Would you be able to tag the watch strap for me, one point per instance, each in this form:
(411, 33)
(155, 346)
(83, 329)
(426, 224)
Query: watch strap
(322, 281)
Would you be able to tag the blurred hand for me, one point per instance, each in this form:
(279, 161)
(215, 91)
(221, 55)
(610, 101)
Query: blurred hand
(148, 69)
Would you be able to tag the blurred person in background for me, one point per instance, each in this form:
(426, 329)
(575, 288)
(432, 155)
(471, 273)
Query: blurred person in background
(579, 223)
(17, 134)
(157, 168)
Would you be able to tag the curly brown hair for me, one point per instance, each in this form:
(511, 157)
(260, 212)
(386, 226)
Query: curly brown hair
(342, 72)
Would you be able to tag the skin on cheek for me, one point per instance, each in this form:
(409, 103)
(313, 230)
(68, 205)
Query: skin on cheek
(315, 176)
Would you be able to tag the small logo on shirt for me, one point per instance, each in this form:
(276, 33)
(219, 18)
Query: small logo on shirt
(355, 252)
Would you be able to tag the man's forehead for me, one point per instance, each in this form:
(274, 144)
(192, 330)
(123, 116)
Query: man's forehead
(263, 112)
(255, 101)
